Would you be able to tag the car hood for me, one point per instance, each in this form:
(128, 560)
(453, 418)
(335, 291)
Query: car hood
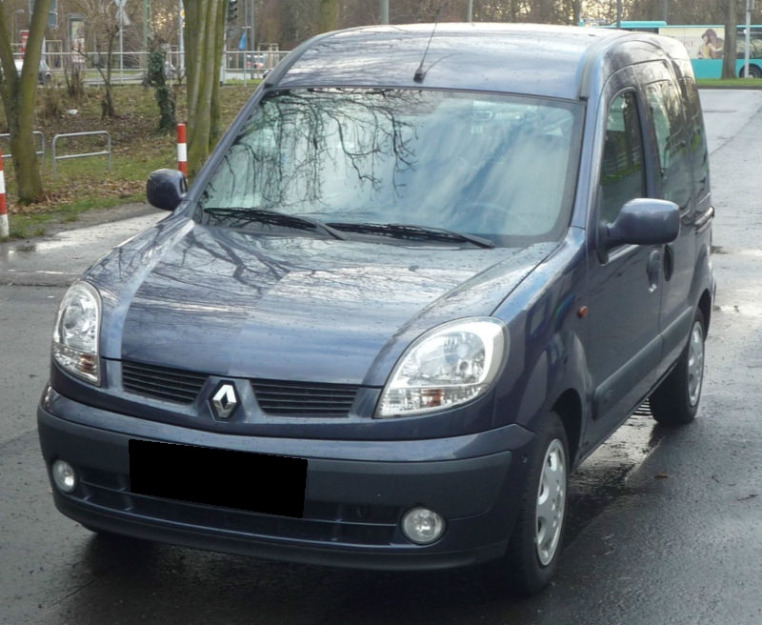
(228, 303)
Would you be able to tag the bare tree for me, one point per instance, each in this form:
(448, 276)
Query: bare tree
(103, 19)
(18, 95)
(205, 41)
(489, 11)
(298, 21)
(674, 11)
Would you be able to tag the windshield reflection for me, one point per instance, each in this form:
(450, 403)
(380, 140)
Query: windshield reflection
(498, 167)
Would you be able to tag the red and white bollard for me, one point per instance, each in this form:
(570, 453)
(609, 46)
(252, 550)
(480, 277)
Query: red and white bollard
(182, 149)
(4, 229)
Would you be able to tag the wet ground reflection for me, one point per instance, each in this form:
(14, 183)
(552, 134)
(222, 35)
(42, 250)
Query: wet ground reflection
(601, 479)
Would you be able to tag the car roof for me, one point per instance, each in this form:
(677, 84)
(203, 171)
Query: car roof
(552, 61)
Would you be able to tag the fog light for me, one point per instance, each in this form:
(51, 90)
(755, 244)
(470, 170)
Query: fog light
(64, 476)
(423, 526)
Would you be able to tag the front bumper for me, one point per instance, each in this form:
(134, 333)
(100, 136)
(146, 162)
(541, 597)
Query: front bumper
(356, 492)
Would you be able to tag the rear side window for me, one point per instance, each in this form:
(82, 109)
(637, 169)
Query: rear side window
(622, 170)
(697, 137)
(665, 104)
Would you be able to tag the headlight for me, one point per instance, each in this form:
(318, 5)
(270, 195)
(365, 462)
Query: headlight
(448, 366)
(77, 331)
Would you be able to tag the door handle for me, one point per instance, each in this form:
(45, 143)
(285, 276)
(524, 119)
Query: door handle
(653, 269)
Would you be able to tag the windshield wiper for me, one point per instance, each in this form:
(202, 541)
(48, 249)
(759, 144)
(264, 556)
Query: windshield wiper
(413, 232)
(242, 216)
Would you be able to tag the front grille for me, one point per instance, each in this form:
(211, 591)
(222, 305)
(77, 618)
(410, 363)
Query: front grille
(323, 521)
(274, 397)
(161, 382)
(304, 398)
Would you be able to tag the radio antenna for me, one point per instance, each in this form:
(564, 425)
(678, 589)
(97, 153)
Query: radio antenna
(419, 73)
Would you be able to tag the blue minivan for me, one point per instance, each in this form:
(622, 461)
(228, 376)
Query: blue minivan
(426, 272)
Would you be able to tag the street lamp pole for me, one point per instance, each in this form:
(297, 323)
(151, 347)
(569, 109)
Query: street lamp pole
(747, 38)
(121, 16)
(181, 38)
(146, 26)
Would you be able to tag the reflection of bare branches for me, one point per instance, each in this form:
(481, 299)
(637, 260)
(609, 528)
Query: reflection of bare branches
(281, 157)
(225, 252)
(483, 165)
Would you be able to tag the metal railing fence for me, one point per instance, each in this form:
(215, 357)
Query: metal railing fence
(56, 157)
(37, 135)
(130, 67)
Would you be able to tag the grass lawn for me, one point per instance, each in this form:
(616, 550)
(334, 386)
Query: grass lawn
(733, 83)
(81, 184)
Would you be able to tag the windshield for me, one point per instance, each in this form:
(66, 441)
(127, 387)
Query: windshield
(493, 166)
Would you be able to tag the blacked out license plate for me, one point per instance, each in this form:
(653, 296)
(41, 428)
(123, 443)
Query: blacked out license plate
(219, 477)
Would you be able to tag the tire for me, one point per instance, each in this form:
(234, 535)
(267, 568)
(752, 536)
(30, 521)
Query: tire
(754, 72)
(535, 545)
(676, 400)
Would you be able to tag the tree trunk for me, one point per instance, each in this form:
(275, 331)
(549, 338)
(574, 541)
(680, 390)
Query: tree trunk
(107, 103)
(329, 15)
(18, 94)
(730, 49)
(205, 40)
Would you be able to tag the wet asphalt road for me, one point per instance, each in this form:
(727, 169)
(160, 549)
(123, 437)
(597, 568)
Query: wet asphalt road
(665, 526)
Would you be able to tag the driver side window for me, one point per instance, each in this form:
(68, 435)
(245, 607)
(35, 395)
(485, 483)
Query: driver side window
(622, 168)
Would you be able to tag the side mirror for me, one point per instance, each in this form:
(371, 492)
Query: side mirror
(643, 221)
(166, 188)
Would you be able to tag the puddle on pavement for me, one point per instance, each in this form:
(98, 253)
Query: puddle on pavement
(115, 232)
(601, 479)
(25, 247)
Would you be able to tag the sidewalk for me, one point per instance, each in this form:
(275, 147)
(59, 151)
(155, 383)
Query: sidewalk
(60, 256)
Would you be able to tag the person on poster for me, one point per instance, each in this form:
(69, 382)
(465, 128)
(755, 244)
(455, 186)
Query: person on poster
(712, 46)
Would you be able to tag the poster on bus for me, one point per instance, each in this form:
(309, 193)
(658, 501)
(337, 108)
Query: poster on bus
(702, 42)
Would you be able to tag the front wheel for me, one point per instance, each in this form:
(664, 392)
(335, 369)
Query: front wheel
(676, 399)
(533, 551)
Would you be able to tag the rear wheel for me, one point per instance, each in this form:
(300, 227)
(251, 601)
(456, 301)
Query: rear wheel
(535, 546)
(676, 400)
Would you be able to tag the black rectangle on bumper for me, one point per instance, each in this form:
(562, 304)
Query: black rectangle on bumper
(223, 478)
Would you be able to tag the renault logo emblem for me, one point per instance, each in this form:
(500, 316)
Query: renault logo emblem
(224, 401)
